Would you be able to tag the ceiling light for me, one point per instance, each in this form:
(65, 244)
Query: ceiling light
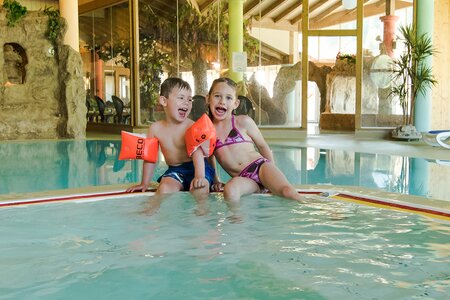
(349, 4)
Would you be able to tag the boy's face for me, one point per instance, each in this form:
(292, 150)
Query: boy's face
(178, 105)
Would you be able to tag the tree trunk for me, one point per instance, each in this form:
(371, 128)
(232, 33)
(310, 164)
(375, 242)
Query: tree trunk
(199, 68)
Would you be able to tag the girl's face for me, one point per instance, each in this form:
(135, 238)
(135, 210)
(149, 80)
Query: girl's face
(222, 101)
(179, 104)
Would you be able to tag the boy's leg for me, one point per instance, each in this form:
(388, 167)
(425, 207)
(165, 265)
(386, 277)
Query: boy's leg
(201, 196)
(274, 180)
(166, 186)
(169, 185)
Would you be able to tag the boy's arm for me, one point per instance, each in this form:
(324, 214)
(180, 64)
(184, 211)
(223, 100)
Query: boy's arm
(255, 134)
(147, 171)
(199, 180)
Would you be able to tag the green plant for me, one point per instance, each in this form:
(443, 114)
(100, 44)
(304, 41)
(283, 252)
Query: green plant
(55, 23)
(14, 11)
(411, 75)
(350, 58)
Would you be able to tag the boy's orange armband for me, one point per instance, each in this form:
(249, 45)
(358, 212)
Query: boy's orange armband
(201, 134)
(136, 146)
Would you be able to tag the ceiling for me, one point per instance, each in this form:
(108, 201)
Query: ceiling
(287, 14)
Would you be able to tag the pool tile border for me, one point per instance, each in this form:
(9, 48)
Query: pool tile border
(429, 211)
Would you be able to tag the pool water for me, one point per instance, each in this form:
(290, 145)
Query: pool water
(268, 248)
(52, 165)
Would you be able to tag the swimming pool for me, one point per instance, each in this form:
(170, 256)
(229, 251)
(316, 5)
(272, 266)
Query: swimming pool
(127, 246)
(269, 248)
(54, 165)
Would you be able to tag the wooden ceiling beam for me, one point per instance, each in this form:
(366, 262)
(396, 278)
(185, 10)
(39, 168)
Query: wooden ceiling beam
(271, 7)
(369, 10)
(325, 13)
(250, 6)
(312, 8)
(205, 4)
(287, 11)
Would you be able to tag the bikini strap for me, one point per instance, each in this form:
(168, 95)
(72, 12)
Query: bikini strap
(232, 122)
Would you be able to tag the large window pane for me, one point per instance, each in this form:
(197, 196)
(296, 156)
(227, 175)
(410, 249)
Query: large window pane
(105, 50)
(332, 68)
(379, 108)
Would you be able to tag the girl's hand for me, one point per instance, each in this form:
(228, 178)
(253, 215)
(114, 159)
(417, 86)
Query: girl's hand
(217, 187)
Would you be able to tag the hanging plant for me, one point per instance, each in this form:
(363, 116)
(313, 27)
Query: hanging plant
(14, 11)
(55, 23)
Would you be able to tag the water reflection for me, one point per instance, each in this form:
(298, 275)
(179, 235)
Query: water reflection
(390, 173)
(49, 165)
(46, 165)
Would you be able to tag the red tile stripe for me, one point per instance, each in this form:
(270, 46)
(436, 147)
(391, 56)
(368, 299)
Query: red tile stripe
(68, 198)
(396, 205)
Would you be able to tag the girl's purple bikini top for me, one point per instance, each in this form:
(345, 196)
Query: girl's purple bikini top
(234, 137)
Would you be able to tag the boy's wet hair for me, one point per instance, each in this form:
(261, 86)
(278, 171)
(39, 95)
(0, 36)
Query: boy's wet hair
(227, 80)
(173, 82)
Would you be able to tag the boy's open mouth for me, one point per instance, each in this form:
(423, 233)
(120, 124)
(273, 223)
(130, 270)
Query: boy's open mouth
(182, 111)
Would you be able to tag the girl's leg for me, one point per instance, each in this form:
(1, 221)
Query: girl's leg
(273, 179)
(237, 187)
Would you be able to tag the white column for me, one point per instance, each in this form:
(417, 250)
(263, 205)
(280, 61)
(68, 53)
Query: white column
(69, 11)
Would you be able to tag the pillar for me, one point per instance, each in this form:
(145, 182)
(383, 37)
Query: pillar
(389, 22)
(236, 36)
(418, 177)
(424, 24)
(98, 76)
(69, 11)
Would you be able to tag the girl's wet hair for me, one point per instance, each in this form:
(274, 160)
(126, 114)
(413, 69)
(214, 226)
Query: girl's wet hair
(173, 82)
(227, 80)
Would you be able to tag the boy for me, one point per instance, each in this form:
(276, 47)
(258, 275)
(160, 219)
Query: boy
(176, 99)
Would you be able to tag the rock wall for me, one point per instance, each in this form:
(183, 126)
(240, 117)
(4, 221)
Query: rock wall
(341, 89)
(50, 102)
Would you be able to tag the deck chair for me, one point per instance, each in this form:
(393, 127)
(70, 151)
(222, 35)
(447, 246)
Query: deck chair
(198, 107)
(437, 138)
(245, 107)
(101, 108)
(121, 114)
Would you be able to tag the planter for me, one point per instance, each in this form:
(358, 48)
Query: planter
(406, 133)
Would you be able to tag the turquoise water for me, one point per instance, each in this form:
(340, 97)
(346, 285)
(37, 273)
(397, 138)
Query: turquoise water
(269, 248)
(52, 165)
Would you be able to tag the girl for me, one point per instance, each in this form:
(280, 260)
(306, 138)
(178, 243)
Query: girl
(237, 136)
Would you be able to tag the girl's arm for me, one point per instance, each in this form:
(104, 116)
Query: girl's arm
(255, 134)
(217, 185)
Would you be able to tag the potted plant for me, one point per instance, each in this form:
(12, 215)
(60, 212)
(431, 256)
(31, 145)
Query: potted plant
(411, 76)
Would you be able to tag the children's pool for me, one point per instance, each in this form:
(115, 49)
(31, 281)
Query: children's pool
(268, 248)
(130, 246)
(53, 165)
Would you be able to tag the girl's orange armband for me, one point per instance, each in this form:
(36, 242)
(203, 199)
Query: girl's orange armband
(136, 146)
(201, 134)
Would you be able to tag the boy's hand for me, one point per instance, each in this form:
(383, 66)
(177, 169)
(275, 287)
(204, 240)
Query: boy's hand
(199, 183)
(137, 188)
(217, 187)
